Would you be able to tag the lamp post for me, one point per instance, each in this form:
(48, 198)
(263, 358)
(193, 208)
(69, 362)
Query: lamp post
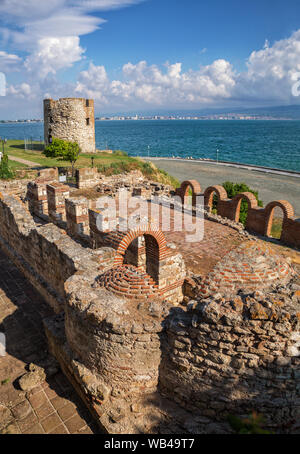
(4, 141)
(148, 151)
(217, 155)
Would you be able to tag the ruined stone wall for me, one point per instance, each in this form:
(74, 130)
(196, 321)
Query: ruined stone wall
(56, 197)
(219, 357)
(87, 177)
(222, 358)
(77, 216)
(113, 352)
(70, 119)
(45, 254)
(115, 341)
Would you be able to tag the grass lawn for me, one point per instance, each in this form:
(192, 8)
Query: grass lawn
(107, 163)
(16, 165)
(276, 228)
(16, 148)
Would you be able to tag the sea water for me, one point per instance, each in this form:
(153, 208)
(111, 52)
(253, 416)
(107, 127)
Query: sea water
(271, 143)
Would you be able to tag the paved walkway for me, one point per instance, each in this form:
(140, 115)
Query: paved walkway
(52, 407)
(24, 161)
(270, 187)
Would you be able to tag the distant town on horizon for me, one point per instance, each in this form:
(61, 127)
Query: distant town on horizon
(224, 116)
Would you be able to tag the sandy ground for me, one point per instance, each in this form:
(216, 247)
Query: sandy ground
(270, 187)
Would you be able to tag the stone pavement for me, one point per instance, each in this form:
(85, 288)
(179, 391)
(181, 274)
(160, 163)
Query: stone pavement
(52, 407)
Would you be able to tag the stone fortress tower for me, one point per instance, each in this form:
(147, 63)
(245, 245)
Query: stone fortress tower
(70, 119)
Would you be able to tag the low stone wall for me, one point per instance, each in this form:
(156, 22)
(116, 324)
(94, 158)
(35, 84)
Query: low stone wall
(45, 254)
(50, 174)
(87, 178)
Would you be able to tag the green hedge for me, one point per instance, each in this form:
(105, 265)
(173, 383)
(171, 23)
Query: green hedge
(232, 190)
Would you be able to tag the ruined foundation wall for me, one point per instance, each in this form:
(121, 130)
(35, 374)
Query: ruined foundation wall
(113, 340)
(87, 177)
(217, 362)
(45, 254)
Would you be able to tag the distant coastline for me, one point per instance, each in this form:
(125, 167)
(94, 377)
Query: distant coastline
(233, 117)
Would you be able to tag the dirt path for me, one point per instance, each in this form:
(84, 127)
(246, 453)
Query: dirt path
(24, 161)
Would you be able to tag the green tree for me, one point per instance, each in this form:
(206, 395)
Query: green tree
(63, 151)
(232, 190)
(5, 172)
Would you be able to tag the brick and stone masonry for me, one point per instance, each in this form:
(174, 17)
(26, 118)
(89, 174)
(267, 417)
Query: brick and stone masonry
(87, 177)
(56, 195)
(221, 354)
(259, 220)
(152, 255)
(37, 192)
(77, 216)
(70, 119)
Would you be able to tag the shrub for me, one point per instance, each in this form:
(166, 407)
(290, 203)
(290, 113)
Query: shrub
(232, 190)
(63, 151)
(5, 172)
(120, 153)
(148, 169)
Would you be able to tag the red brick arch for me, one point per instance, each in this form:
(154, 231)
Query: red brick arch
(288, 213)
(193, 184)
(209, 194)
(152, 236)
(237, 201)
(184, 188)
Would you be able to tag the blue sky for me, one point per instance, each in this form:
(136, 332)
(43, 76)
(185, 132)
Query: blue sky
(160, 30)
(149, 55)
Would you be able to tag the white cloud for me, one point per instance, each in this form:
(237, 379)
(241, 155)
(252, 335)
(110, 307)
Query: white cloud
(9, 62)
(36, 26)
(270, 71)
(151, 85)
(20, 91)
(267, 79)
(53, 54)
(22, 10)
(104, 5)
